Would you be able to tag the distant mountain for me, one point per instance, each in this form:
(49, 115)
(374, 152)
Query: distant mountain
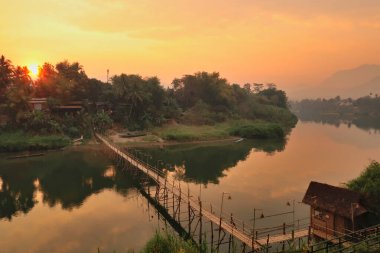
(356, 82)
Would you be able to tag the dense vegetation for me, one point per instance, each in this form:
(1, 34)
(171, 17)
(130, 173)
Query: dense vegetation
(133, 102)
(369, 183)
(363, 112)
(168, 243)
(20, 141)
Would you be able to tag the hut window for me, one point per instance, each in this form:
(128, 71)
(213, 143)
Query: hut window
(320, 215)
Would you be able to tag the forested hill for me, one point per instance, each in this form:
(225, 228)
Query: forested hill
(363, 112)
(132, 101)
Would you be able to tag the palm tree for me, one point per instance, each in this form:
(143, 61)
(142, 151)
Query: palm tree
(6, 71)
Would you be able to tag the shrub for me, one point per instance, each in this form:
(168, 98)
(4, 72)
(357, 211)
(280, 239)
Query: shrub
(101, 121)
(167, 243)
(19, 141)
(40, 122)
(259, 131)
(369, 183)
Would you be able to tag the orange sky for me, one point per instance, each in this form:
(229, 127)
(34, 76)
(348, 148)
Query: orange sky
(289, 42)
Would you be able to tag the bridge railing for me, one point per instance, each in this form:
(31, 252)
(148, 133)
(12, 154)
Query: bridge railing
(337, 243)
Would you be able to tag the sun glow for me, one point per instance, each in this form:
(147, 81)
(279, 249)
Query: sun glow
(33, 70)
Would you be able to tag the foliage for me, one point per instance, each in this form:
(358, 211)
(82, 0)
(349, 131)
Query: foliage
(133, 101)
(274, 96)
(140, 102)
(369, 183)
(242, 128)
(19, 141)
(180, 132)
(200, 114)
(168, 243)
(101, 121)
(259, 130)
(335, 110)
(40, 122)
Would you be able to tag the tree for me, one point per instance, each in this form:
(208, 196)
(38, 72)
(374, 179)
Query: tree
(72, 78)
(369, 183)
(275, 96)
(6, 74)
(257, 87)
(46, 84)
(208, 87)
(17, 94)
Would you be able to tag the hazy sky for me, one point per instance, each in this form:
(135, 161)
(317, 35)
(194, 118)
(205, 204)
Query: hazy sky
(289, 42)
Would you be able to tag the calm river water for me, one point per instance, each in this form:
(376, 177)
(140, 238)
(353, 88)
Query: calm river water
(75, 200)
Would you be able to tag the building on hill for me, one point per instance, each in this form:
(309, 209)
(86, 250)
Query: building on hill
(41, 104)
(69, 107)
(335, 211)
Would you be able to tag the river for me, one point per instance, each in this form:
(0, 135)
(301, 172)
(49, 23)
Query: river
(76, 201)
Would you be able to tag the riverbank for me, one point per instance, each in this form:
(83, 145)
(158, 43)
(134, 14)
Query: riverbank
(169, 134)
(20, 141)
(229, 131)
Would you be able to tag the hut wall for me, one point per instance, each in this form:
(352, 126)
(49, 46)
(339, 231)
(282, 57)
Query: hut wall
(323, 221)
(329, 218)
(340, 225)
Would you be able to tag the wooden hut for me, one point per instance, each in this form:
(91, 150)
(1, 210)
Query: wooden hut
(335, 211)
(69, 107)
(38, 104)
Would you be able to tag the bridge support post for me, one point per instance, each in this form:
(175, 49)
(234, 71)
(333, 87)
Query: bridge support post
(179, 203)
(188, 209)
(212, 232)
(293, 244)
(283, 232)
(230, 237)
(220, 230)
(200, 222)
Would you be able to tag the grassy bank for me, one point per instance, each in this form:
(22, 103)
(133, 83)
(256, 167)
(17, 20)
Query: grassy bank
(237, 128)
(168, 243)
(19, 141)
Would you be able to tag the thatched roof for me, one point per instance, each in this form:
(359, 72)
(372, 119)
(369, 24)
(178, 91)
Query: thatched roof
(334, 199)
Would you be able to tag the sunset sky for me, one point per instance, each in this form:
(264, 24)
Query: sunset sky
(289, 42)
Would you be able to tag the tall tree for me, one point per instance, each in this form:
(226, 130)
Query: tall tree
(6, 73)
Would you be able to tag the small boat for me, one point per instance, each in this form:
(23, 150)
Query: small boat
(26, 155)
(239, 140)
(132, 134)
(79, 139)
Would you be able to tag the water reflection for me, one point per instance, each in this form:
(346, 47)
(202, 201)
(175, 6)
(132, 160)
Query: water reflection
(363, 122)
(207, 163)
(65, 179)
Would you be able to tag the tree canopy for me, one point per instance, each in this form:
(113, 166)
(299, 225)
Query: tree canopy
(369, 184)
(136, 102)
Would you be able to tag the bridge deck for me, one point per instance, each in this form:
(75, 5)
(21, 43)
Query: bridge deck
(232, 229)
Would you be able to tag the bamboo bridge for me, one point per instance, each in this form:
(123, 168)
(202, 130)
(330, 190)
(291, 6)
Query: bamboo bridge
(189, 212)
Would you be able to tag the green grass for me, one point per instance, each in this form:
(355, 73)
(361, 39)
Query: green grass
(368, 183)
(241, 128)
(168, 243)
(184, 133)
(259, 130)
(19, 141)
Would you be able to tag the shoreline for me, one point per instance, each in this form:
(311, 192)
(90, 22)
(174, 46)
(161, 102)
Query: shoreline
(174, 143)
(93, 144)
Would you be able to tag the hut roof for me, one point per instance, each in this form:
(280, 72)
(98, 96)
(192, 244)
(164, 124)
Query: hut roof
(334, 199)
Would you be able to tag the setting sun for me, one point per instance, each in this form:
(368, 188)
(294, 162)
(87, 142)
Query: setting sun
(33, 70)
